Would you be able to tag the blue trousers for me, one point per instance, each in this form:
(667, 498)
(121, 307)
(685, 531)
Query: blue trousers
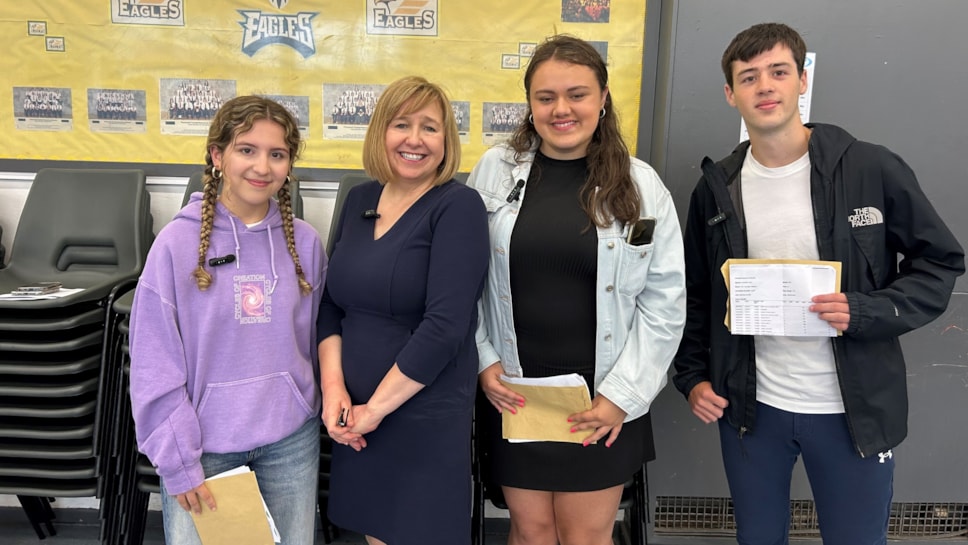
(287, 472)
(852, 494)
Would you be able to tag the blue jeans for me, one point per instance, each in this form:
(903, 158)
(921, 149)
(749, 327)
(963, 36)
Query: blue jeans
(852, 495)
(287, 472)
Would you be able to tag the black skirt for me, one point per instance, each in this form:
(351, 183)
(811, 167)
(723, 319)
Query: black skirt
(562, 467)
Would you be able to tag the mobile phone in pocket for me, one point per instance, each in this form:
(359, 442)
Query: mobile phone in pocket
(641, 231)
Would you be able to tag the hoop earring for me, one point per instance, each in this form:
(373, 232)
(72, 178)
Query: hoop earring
(216, 173)
(601, 115)
(531, 118)
(288, 180)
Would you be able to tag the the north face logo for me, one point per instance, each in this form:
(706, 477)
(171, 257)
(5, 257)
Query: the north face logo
(865, 216)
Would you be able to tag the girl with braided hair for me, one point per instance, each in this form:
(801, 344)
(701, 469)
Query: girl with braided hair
(222, 332)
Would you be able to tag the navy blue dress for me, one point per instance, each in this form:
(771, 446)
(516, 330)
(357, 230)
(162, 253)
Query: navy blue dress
(410, 298)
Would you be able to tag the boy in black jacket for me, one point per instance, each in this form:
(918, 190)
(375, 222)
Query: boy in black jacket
(808, 192)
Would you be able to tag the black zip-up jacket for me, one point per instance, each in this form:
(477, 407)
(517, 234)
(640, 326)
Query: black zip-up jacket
(867, 209)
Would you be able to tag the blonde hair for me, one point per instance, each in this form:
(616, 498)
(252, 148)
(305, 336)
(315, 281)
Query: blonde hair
(235, 117)
(403, 97)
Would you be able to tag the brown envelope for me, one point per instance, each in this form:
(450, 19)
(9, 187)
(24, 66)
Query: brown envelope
(240, 518)
(544, 416)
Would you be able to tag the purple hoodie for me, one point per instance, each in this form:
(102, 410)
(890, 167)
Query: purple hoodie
(231, 368)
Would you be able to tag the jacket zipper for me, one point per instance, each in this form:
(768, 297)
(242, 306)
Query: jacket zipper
(833, 341)
(721, 218)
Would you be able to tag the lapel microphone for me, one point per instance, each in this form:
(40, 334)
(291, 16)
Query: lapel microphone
(515, 193)
(216, 261)
(370, 214)
(718, 218)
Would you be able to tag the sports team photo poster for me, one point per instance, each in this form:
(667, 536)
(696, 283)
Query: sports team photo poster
(137, 81)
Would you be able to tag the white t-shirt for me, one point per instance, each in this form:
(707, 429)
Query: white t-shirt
(795, 374)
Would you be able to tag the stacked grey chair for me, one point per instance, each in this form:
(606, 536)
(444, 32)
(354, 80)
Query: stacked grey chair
(89, 229)
(133, 480)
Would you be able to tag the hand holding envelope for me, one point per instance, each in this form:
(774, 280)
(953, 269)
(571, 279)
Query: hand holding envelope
(242, 517)
(550, 401)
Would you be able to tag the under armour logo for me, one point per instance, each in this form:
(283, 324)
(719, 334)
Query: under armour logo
(885, 455)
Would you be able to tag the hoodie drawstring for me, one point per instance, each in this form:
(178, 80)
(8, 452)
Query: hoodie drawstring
(272, 260)
(238, 248)
(272, 252)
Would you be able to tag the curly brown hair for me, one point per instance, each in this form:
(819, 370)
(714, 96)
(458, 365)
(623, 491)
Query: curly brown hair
(236, 117)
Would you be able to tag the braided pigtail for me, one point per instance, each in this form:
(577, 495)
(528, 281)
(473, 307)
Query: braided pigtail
(202, 277)
(285, 206)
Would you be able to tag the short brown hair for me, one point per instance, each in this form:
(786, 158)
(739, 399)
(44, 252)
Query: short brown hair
(759, 38)
(403, 97)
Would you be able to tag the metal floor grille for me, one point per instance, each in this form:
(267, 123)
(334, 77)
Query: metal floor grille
(682, 515)
(928, 520)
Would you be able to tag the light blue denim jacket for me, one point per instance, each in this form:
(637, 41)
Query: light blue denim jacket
(641, 301)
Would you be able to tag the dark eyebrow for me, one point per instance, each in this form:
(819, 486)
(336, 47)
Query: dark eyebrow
(246, 144)
(771, 66)
(568, 90)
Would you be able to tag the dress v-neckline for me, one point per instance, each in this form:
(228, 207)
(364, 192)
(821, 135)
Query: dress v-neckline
(390, 228)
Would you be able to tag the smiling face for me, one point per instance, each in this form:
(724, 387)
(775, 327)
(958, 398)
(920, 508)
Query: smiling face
(566, 101)
(254, 166)
(766, 90)
(415, 144)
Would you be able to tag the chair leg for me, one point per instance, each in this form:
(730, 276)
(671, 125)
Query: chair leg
(477, 513)
(34, 509)
(638, 522)
(323, 521)
(49, 515)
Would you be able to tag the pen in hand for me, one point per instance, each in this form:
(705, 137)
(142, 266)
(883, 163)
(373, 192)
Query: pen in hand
(341, 421)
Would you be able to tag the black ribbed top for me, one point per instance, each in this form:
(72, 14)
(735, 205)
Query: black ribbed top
(553, 266)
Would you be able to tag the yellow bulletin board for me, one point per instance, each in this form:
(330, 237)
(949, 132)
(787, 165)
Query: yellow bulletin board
(136, 80)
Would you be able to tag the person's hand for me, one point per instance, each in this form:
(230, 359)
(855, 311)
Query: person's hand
(336, 403)
(833, 308)
(364, 420)
(705, 403)
(502, 397)
(604, 417)
(192, 500)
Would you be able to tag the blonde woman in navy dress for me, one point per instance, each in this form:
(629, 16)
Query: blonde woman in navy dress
(397, 353)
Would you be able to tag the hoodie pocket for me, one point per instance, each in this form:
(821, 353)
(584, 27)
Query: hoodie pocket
(244, 414)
